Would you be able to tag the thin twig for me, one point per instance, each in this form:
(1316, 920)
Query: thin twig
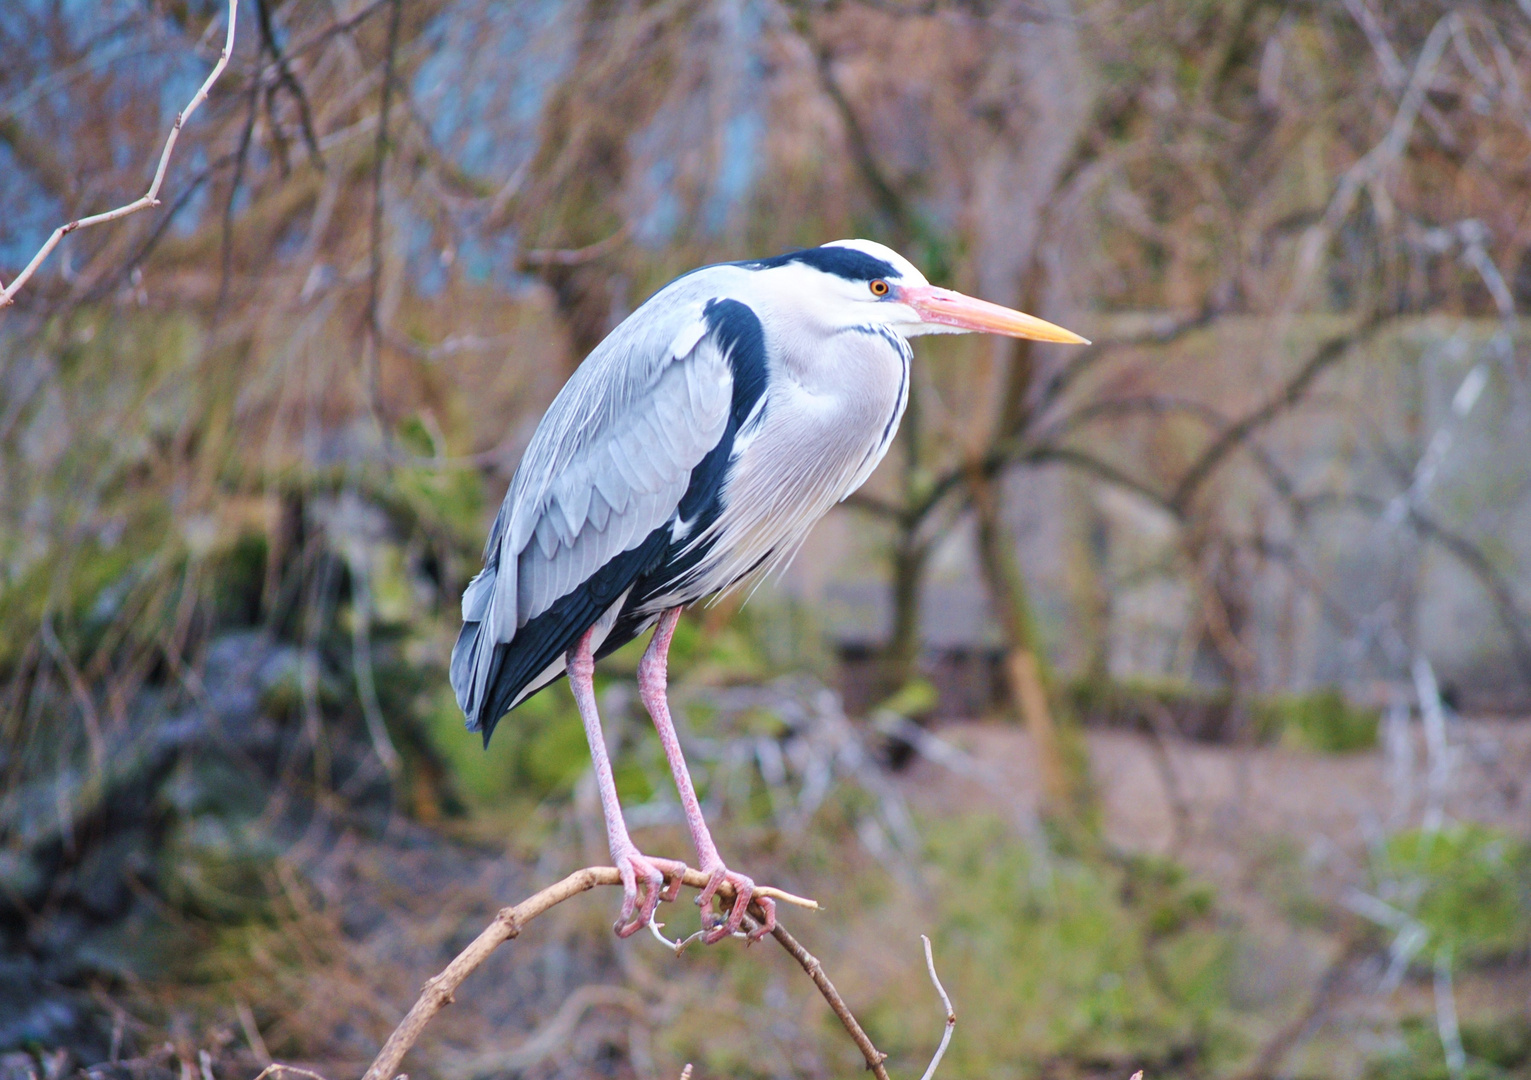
(149, 198)
(890, 200)
(286, 78)
(575, 256)
(549, 1038)
(439, 992)
(1302, 1026)
(241, 157)
(339, 26)
(810, 964)
(276, 1068)
(946, 1003)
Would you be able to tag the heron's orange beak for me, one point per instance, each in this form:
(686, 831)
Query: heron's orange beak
(946, 307)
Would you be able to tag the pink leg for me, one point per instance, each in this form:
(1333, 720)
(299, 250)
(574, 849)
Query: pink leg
(652, 679)
(629, 862)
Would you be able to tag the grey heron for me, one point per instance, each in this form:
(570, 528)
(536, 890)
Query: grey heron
(692, 451)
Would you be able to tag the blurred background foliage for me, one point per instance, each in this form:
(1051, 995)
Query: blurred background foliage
(1174, 686)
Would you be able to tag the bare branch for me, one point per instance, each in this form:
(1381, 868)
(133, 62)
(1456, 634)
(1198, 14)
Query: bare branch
(241, 156)
(1329, 354)
(339, 26)
(439, 992)
(277, 1069)
(289, 80)
(810, 964)
(150, 197)
(575, 256)
(890, 200)
(1507, 606)
(115, 278)
(1268, 1062)
(550, 1037)
(1164, 333)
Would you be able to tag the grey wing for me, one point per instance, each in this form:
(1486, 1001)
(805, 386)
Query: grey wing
(609, 464)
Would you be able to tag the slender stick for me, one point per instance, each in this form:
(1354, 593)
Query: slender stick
(810, 964)
(149, 198)
(946, 1002)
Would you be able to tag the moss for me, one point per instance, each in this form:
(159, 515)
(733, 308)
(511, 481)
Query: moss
(238, 575)
(537, 752)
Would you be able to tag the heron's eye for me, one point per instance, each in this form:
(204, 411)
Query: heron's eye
(879, 287)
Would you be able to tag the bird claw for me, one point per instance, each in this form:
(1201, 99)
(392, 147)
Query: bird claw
(661, 880)
(744, 890)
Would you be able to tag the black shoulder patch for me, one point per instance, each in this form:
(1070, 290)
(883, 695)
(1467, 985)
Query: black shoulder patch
(843, 262)
(742, 339)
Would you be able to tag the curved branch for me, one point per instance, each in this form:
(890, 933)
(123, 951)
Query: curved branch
(439, 991)
(1329, 354)
(1516, 622)
(1102, 470)
(1115, 408)
(890, 201)
(1162, 334)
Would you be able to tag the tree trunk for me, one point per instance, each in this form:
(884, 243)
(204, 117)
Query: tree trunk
(1063, 774)
(901, 657)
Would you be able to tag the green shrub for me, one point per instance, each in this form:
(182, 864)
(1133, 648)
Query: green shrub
(1074, 958)
(1469, 885)
(1322, 720)
(1498, 1050)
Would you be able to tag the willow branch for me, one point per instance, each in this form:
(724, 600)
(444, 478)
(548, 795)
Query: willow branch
(150, 197)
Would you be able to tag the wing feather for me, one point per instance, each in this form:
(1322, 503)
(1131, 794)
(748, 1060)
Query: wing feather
(574, 500)
(600, 510)
(614, 490)
(607, 466)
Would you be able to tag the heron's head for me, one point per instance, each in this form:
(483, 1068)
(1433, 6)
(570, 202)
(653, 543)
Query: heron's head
(853, 283)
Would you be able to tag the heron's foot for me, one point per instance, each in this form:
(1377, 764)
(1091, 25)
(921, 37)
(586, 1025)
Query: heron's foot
(744, 891)
(652, 879)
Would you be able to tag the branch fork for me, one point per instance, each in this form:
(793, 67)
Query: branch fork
(440, 990)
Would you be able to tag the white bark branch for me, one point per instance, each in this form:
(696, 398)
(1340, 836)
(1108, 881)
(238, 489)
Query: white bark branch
(150, 197)
(946, 1003)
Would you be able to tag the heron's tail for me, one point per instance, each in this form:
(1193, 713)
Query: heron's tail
(473, 657)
